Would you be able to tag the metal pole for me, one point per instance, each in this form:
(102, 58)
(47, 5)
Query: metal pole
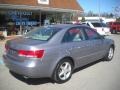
(20, 23)
(99, 8)
(40, 18)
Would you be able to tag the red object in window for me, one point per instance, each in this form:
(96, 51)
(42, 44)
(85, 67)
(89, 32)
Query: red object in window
(74, 31)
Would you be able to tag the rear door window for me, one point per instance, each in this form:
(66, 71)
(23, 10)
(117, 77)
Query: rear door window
(73, 35)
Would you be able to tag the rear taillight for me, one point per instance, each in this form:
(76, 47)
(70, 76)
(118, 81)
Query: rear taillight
(31, 53)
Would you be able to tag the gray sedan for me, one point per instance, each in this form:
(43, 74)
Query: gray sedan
(55, 51)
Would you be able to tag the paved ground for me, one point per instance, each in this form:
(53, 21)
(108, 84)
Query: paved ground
(1, 51)
(99, 76)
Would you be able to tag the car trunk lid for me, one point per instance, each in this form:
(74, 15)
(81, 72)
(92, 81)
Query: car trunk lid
(14, 46)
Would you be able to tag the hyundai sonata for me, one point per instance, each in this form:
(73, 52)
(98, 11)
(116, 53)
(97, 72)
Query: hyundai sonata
(55, 51)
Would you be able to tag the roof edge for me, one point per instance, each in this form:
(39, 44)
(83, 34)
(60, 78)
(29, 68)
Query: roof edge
(22, 7)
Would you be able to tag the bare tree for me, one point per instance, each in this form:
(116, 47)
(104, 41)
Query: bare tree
(90, 13)
(117, 11)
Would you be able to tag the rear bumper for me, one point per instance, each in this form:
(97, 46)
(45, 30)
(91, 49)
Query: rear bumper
(107, 33)
(30, 69)
(104, 33)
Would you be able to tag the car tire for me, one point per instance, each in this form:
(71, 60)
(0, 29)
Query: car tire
(115, 31)
(63, 71)
(112, 31)
(110, 54)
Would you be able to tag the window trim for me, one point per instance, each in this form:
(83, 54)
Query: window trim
(87, 37)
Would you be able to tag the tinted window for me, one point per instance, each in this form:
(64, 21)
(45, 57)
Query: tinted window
(43, 34)
(91, 34)
(97, 24)
(117, 23)
(73, 35)
(104, 25)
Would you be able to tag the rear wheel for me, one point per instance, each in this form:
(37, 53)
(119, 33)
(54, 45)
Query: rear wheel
(113, 31)
(63, 71)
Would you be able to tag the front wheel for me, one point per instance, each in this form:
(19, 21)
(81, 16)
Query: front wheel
(113, 31)
(110, 54)
(63, 71)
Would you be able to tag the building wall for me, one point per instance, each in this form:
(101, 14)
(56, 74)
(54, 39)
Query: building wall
(65, 4)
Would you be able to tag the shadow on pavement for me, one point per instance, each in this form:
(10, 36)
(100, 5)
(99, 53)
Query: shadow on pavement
(38, 81)
(118, 33)
(32, 81)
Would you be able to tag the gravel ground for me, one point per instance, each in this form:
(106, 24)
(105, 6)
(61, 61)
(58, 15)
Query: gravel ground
(99, 76)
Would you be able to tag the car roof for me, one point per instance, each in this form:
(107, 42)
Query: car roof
(92, 22)
(62, 26)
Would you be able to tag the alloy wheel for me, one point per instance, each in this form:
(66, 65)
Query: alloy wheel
(110, 53)
(65, 71)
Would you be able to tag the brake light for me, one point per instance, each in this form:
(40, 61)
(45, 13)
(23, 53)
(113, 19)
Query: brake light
(31, 53)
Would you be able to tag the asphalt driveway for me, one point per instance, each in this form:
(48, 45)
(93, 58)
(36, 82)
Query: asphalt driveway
(101, 75)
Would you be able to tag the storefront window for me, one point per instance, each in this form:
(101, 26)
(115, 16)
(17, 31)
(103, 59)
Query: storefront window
(12, 20)
(21, 21)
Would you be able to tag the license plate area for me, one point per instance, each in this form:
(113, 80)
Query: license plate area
(13, 52)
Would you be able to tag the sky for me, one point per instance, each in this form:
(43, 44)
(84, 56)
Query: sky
(94, 5)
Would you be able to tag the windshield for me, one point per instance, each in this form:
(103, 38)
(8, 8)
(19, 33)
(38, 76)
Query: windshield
(43, 34)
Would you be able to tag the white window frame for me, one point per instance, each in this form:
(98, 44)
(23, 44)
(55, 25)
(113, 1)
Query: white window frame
(43, 1)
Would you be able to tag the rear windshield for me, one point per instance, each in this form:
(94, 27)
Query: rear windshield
(99, 25)
(43, 34)
(96, 24)
(104, 25)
